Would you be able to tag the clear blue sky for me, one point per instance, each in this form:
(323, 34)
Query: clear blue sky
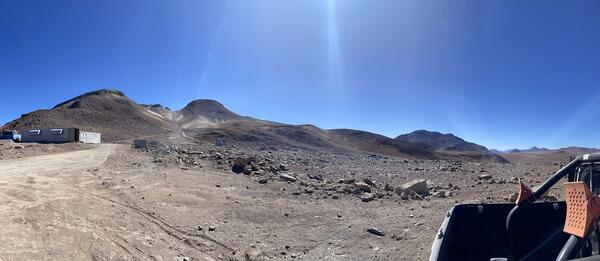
(503, 74)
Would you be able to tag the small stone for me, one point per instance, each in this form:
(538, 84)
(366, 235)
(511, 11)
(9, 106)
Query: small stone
(388, 187)
(283, 167)
(513, 197)
(288, 178)
(366, 197)
(376, 231)
(254, 254)
(397, 237)
(484, 177)
(440, 194)
(369, 182)
(212, 228)
(316, 177)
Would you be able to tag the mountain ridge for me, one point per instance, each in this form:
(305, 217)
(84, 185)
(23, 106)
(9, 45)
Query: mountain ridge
(111, 112)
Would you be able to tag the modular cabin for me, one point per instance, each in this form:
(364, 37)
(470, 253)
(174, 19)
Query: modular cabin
(7, 135)
(60, 135)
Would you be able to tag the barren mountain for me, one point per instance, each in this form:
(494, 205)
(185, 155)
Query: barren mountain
(204, 113)
(532, 149)
(161, 110)
(117, 118)
(449, 146)
(107, 111)
(546, 155)
(439, 141)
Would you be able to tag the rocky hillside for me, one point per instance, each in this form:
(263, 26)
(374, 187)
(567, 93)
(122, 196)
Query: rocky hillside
(203, 113)
(439, 141)
(107, 111)
(118, 118)
(547, 155)
(449, 146)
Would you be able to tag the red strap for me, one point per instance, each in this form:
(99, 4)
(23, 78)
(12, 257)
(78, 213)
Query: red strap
(525, 193)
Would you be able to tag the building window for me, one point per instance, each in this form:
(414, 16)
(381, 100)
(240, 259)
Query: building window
(35, 132)
(56, 131)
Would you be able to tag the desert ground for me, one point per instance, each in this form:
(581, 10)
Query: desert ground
(178, 199)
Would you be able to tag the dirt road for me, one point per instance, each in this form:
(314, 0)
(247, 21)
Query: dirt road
(52, 209)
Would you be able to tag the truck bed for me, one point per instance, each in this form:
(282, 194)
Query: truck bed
(478, 232)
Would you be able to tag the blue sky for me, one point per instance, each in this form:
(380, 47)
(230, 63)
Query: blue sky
(503, 74)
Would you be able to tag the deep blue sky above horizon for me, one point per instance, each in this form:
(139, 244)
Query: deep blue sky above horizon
(504, 74)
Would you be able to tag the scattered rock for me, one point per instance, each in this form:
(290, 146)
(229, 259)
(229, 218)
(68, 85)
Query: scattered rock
(283, 167)
(362, 186)
(366, 197)
(484, 177)
(316, 177)
(388, 187)
(253, 254)
(418, 186)
(403, 195)
(440, 194)
(397, 237)
(288, 178)
(513, 197)
(238, 168)
(369, 182)
(376, 231)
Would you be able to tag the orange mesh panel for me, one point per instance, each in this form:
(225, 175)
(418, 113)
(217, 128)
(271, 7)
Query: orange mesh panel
(579, 217)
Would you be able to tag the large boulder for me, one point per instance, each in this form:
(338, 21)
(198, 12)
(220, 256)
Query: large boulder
(362, 186)
(418, 186)
(239, 165)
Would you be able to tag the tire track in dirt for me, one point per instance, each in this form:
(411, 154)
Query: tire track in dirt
(172, 230)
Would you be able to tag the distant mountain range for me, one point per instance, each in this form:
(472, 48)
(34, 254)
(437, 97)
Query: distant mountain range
(545, 151)
(532, 149)
(119, 118)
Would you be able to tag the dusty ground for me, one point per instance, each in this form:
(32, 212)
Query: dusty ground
(12, 150)
(113, 202)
